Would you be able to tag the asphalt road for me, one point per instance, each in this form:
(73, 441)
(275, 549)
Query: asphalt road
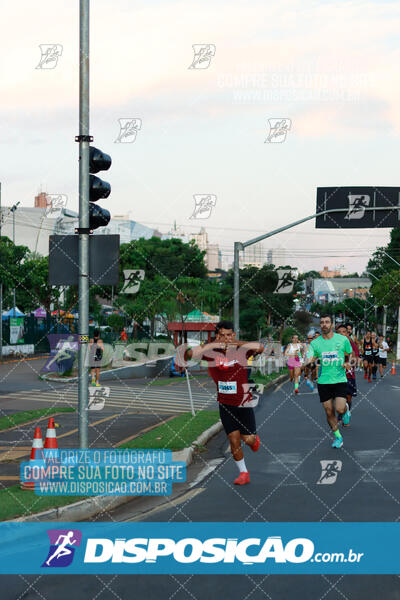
(284, 475)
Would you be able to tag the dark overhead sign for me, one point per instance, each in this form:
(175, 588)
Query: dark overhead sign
(355, 201)
(103, 260)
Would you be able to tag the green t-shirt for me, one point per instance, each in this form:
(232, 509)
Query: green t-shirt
(331, 354)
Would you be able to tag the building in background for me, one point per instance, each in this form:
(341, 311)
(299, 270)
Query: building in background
(334, 272)
(200, 239)
(34, 225)
(253, 256)
(127, 229)
(42, 200)
(278, 257)
(213, 255)
(176, 232)
(339, 288)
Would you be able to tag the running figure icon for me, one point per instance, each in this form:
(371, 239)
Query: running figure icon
(62, 549)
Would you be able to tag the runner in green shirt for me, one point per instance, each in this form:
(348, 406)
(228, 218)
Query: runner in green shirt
(333, 352)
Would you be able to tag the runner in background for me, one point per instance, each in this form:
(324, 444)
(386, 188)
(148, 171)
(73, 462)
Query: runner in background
(351, 373)
(316, 364)
(227, 365)
(96, 349)
(353, 338)
(375, 353)
(293, 354)
(309, 368)
(367, 355)
(382, 355)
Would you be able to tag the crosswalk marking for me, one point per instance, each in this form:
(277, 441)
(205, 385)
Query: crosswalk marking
(120, 391)
(135, 398)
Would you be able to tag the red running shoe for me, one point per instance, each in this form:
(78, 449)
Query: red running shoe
(369, 380)
(256, 444)
(243, 478)
(365, 376)
(296, 391)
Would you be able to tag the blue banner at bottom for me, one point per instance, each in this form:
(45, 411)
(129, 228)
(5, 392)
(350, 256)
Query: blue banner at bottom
(196, 548)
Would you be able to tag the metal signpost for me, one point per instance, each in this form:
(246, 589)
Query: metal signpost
(84, 139)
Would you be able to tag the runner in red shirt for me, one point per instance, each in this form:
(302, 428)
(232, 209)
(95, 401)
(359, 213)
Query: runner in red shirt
(227, 365)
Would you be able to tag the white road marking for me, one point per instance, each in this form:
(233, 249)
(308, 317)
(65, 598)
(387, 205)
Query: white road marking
(209, 468)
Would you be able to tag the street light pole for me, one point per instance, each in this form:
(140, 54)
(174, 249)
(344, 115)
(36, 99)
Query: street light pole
(240, 246)
(384, 320)
(13, 209)
(1, 293)
(83, 139)
(236, 249)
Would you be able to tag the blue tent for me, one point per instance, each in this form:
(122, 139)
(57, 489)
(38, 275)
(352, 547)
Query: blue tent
(11, 313)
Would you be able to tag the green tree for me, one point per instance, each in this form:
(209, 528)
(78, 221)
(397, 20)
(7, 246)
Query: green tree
(170, 258)
(302, 321)
(387, 290)
(260, 306)
(33, 289)
(384, 259)
(116, 322)
(27, 272)
(309, 275)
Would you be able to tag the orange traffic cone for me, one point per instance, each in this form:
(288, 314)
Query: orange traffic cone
(50, 443)
(36, 454)
(393, 371)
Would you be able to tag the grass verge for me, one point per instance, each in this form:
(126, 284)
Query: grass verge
(258, 378)
(177, 434)
(172, 380)
(25, 416)
(15, 502)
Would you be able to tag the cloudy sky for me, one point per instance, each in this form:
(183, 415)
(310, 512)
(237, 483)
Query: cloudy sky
(331, 67)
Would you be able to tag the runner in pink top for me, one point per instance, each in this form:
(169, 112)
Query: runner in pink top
(293, 352)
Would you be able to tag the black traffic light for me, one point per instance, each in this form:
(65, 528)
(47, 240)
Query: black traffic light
(98, 161)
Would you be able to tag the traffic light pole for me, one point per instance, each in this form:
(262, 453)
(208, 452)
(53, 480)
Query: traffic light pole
(240, 246)
(83, 139)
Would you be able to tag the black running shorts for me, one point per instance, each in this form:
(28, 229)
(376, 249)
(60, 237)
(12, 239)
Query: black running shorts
(234, 418)
(351, 387)
(381, 361)
(329, 391)
(369, 358)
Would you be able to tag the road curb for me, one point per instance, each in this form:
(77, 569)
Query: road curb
(84, 509)
(147, 369)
